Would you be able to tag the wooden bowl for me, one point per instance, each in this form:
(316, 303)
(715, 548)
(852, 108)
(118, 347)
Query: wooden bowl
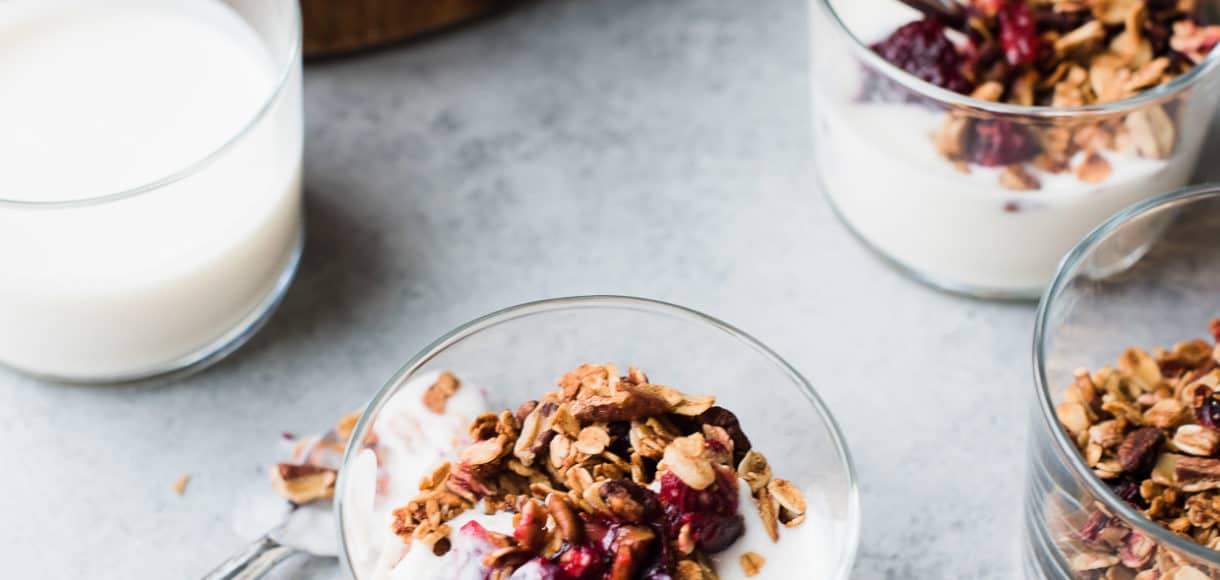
(339, 26)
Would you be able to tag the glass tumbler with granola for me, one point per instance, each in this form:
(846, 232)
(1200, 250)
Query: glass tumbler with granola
(973, 149)
(1124, 449)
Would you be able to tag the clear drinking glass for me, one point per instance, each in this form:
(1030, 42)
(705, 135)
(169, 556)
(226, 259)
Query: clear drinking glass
(1148, 277)
(114, 286)
(883, 140)
(520, 352)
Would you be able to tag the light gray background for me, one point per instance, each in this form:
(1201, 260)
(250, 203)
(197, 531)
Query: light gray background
(573, 146)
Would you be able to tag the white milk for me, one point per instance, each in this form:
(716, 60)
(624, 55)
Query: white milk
(102, 97)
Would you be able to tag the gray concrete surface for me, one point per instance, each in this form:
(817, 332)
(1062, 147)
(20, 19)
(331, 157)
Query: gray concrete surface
(573, 146)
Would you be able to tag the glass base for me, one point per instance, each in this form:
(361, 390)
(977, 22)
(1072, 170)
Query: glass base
(212, 353)
(937, 282)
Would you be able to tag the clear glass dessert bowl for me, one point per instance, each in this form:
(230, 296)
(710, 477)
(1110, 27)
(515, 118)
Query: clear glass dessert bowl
(517, 354)
(1148, 277)
(981, 196)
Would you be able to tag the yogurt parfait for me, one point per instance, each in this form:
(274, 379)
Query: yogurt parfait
(608, 476)
(973, 149)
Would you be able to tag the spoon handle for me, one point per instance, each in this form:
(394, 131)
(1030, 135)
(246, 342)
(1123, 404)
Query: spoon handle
(253, 561)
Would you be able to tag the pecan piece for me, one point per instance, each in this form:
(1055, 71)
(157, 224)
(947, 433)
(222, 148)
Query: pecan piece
(530, 527)
(1193, 474)
(622, 405)
(571, 529)
(302, 484)
(631, 547)
(1138, 449)
(629, 501)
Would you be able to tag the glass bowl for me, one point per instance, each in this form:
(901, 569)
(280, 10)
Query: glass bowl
(891, 155)
(518, 353)
(1148, 277)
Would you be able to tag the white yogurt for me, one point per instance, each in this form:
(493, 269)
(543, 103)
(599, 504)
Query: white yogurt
(412, 441)
(878, 165)
(801, 552)
(463, 561)
(102, 97)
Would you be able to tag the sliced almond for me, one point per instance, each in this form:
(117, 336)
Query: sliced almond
(684, 457)
(592, 440)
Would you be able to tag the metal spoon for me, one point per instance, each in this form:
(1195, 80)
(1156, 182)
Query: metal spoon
(297, 534)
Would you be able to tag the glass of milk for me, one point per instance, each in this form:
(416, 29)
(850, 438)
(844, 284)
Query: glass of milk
(150, 190)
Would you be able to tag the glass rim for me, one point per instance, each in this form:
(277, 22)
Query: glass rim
(463, 331)
(295, 43)
(926, 89)
(1063, 443)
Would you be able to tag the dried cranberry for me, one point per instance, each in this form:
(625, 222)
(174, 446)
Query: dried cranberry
(712, 513)
(1208, 412)
(1018, 33)
(922, 49)
(1129, 491)
(581, 562)
(995, 143)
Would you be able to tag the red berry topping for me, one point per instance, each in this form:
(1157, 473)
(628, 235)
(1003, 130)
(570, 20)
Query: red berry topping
(581, 562)
(996, 143)
(711, 513)
(1018, 33)
(922, 49)
(475, 530)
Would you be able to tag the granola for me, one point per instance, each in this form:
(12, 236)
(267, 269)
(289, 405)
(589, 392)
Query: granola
(1149, 428)
(1054, 53)
(608, 476)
